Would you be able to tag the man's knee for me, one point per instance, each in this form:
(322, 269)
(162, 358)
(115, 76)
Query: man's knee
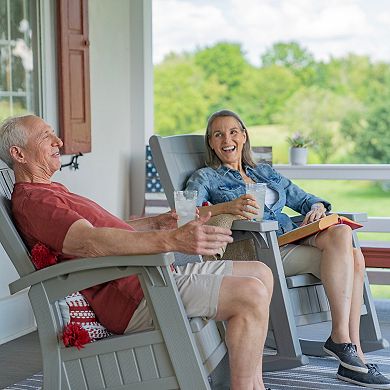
(269, 276)
(256, 269)
(254, 294)
(262, 269)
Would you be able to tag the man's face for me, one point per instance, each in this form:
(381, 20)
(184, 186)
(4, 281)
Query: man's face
(41, 152)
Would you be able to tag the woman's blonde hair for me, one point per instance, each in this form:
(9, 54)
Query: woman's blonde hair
(212, 160)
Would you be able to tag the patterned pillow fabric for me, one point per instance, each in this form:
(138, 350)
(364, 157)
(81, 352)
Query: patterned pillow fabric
(75, 309)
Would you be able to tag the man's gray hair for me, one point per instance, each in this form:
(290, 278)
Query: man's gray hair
(12, 133)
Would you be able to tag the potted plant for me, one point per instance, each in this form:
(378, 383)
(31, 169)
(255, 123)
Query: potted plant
(298, 148)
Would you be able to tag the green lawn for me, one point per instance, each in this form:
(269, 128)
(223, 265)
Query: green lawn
(380, 292)
(271, 135)
(351, 195)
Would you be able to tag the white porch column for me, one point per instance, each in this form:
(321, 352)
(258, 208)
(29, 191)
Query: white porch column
(141, 97)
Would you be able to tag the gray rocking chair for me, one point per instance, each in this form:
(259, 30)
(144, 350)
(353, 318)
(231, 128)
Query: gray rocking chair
(178, 354)
(297, 300)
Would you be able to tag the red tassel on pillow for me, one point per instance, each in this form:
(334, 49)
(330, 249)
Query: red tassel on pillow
(75, 336)
(42, 256)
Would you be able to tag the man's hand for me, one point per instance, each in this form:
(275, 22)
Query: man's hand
(197, 238)
(166, 221)
(317, 212)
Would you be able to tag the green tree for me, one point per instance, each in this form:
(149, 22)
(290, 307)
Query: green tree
(348, 75)
(183, 96)
(225, 61)
(292, 56)
(370, 126)
(369, 133)
(263, 93)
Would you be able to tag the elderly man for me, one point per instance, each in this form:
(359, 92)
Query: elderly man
(238, 292)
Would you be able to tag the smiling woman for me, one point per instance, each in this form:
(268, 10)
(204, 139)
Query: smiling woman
(329, 254)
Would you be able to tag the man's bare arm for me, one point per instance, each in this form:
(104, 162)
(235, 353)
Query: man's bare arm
(142, 224)
(84, 240)
(163, 221)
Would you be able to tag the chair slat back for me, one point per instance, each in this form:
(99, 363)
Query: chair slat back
(176, 158)
(9, 236)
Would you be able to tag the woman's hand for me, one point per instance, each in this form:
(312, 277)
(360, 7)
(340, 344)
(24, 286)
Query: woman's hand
(245, 206)
(317, 212)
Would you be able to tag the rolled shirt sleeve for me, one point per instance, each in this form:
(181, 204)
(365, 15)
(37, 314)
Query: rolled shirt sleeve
(199, 181)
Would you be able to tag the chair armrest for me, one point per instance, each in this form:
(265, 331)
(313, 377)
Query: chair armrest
(357, 217)
(254, 226)
(76, 265)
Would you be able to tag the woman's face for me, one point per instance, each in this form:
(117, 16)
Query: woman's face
(227, 139)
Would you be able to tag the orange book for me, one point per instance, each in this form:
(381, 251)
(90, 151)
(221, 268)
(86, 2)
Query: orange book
(315, 227)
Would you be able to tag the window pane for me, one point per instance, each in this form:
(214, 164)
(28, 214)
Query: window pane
(17, 18)
(5, 108)
(17, 88)
(20, 106)
(3, 20)
(18, 75)
(4, 68)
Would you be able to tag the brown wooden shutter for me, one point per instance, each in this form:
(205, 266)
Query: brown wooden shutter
(73, 61)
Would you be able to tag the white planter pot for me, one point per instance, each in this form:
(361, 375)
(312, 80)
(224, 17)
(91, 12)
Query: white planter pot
(298, 156)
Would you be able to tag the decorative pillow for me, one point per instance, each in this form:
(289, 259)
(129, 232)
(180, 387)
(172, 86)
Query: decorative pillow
(75, 310)
(80, 323)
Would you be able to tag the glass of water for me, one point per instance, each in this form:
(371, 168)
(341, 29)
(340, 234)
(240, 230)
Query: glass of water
(185, 205)
(258, 191)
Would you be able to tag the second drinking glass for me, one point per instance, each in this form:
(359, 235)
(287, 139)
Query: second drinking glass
(258, 191)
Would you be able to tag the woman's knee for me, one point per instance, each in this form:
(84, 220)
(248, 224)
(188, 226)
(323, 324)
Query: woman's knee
(338, 236)
(359, 261)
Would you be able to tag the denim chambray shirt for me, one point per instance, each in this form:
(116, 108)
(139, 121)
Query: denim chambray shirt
(225, 184)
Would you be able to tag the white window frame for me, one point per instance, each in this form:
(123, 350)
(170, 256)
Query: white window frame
(47, 61)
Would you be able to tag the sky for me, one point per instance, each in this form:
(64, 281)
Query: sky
(326, 28)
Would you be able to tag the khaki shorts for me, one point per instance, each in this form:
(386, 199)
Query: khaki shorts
(198, 285)
(303, 258)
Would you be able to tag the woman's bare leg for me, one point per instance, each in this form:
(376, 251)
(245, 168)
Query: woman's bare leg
(337, 276)
(357, 300)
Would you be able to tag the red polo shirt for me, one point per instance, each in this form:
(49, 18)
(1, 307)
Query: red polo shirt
(44, 213)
